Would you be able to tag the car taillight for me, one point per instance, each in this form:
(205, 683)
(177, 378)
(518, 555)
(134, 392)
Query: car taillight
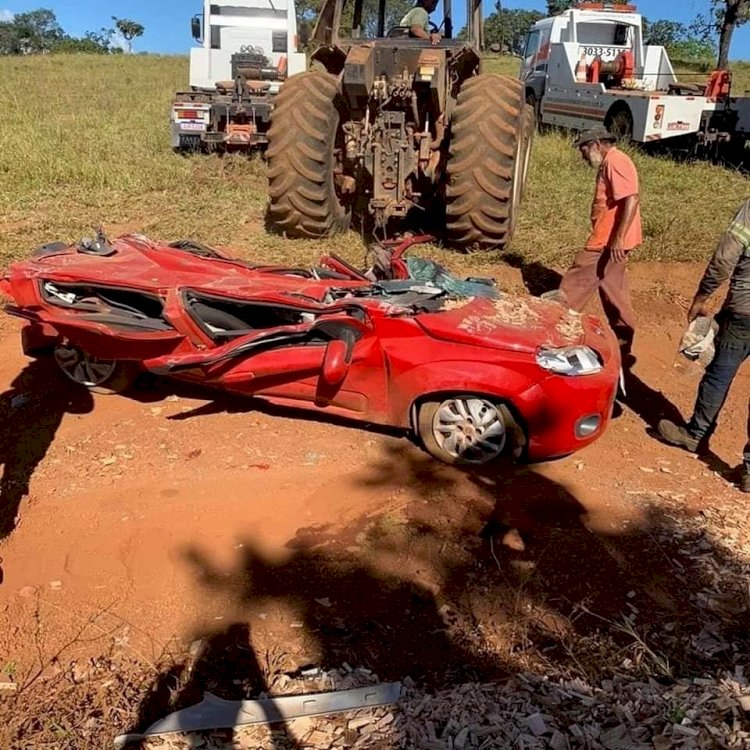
(189, 114)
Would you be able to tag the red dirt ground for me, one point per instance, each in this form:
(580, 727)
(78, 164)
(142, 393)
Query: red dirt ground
(168, 517)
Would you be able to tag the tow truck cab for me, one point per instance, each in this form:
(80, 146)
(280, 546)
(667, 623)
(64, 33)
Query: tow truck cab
(229, 27)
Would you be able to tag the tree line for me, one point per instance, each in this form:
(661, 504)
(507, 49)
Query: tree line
(39, 32)
(706, 38)
(709, 35)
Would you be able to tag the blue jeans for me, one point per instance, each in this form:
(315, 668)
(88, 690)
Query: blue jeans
(732, 349)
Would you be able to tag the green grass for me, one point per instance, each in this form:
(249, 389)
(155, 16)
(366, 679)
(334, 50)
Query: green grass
(84, 141)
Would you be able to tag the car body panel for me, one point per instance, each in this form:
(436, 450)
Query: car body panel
(159, 305)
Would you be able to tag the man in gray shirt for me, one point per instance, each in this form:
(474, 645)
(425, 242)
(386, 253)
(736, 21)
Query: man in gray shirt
(731, 261)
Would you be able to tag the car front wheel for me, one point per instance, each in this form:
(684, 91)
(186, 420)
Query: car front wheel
(465, 429)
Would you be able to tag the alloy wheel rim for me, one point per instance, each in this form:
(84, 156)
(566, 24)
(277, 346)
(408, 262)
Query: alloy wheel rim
(470, 429)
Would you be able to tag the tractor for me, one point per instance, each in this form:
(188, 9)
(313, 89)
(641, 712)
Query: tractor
(392, 128)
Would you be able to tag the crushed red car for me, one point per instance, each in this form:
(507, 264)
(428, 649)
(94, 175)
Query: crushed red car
(472, 372)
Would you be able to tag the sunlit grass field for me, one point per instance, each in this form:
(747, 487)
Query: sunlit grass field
(84, 141)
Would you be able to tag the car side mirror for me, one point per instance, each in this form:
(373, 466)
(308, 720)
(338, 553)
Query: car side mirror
(196, 28)
(336, 362)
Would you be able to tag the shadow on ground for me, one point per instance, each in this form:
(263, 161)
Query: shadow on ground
(537, 278)
(31, 411)
(465, 576)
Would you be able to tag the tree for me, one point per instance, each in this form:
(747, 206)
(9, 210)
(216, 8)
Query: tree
(92, 43)
(509, 28)
(38, 32)
(32, 33)
(129, 30)
(682, 42)
(555, 7)
(307, 11)
(729, 14)
(663, 33)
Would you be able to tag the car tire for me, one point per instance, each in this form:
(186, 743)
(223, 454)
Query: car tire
(465, 413)
(101, 376)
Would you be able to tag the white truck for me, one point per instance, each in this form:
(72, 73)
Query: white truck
(247, 49)
(589, 66)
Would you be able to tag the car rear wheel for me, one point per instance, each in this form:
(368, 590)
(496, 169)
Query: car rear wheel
(465, 429)
(98, 375)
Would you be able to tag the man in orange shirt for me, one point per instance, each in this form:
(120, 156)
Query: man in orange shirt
(615, 233)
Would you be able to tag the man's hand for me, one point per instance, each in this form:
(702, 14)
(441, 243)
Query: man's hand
(627, 210)
(698, 309)
(617, 251)
(434, 38)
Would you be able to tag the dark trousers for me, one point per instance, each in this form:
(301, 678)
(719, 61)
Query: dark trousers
(732, 349)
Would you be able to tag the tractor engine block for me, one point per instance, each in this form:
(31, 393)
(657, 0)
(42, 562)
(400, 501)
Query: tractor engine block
(393, 140)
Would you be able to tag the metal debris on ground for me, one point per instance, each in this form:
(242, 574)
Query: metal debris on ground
(528, 712)
(216, 713)
(625, 711)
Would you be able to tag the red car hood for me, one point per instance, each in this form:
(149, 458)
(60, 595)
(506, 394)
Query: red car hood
(516, 323)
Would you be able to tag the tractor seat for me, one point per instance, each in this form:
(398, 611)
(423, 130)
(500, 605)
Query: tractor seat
(257, 86)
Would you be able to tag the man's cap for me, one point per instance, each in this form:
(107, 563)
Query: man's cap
(599, 133)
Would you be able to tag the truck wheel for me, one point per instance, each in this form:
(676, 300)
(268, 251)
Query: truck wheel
(619, 122)
(486, 162)
(536, 108)
(301, 141)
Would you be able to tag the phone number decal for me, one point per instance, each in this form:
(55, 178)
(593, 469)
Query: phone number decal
(603, 52)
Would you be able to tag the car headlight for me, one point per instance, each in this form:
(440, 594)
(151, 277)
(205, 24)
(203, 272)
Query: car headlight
(569, 360)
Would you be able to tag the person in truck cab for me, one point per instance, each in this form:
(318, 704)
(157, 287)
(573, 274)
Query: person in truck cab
(417, 20)
(731, 261)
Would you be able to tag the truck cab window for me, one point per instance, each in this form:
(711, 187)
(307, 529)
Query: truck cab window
(279, 41)
(532, 45)
(601, 33)
(621, 35)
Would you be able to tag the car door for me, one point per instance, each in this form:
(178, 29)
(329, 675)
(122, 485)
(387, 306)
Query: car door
(331, 361)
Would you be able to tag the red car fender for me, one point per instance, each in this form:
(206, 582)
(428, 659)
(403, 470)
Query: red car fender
(422, 383)
(5, 288)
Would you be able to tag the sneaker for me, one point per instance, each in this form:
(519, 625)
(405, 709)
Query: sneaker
(745, 482)
(676, 435)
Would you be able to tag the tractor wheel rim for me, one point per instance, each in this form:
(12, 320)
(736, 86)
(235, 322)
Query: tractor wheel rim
(470, 429)
(82, 368)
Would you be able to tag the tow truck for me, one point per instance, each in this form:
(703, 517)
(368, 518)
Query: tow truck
(589, 66)
(247, 50)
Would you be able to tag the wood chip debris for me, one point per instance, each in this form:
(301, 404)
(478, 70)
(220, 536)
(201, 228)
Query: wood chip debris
(538, 712)
(528, 712)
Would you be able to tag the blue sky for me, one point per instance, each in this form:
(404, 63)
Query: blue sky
(167, 22)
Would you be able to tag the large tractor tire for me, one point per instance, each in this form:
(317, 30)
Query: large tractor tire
(490, 145)
(301, 141)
